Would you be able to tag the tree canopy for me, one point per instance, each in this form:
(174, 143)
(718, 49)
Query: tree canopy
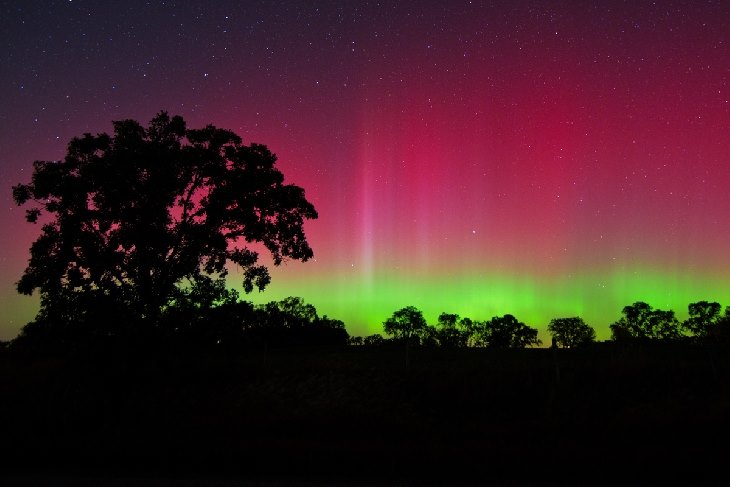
(642, 321)
(137, 216)
(452, 332)
(703, 316)
(571, 332)
(407, 323)
(507, 332)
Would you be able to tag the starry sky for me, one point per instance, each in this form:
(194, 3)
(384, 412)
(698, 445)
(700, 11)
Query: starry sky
(544, 159)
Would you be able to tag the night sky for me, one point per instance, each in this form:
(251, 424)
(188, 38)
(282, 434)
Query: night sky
(544, 159)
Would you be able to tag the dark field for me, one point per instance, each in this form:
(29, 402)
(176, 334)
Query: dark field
(605, 414)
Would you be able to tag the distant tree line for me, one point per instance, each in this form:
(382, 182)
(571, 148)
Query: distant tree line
(207, 314)
(408, 325)
(639, 323)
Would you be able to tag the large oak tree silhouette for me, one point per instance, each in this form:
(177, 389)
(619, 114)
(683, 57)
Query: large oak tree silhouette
(134, 216)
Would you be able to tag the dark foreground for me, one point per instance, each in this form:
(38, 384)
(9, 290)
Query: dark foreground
(356, 415)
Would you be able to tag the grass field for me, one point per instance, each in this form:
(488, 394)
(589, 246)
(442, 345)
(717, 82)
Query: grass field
(605, 413)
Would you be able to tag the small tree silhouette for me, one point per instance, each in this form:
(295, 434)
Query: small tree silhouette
(720, 331)
(571, 332)
(507, 332)
(641, 321)
(703, 316)
(450, 333)
(406, 324)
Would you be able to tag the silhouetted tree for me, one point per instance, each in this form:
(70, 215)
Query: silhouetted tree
(703, 316)
(135, 216)
(448, 320)
(720, 331)
(641, 321)
(506, 332)
(449, 333)
(406, 324)
(472, 331)
(571, 332)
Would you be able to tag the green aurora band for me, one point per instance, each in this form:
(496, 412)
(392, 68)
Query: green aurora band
(363, 304)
